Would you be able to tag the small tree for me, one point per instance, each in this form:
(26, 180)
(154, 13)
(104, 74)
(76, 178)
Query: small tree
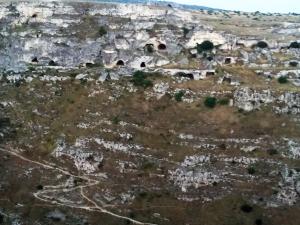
(262, 44)
(102, 31)
(140, 79)
(293, 64)
(205, 46)
(185, 31)
(210, 102)
(251, 170)
(282, 80)
(178, 96)
(295, 44)
(116, 120)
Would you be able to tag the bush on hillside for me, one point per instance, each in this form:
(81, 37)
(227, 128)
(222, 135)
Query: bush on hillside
(205, 46)
(210, 102)
(140, 79)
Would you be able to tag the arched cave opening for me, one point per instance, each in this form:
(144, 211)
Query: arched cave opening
(120, 63)
(143, 64)
(52, 63)
(210, 73)
(227, 60)
(34, 60)
(162, 46)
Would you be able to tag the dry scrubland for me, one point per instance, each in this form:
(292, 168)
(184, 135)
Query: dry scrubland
(133, 114)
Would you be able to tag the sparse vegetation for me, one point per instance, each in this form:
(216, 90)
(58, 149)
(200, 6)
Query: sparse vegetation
(224, 101)
(116, 120)
(185, 31)
(140, 79)
(155, 154)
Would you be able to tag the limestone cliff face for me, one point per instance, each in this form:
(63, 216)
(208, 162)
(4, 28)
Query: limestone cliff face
(69, 35)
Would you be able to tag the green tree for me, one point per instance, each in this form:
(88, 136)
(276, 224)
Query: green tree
(295, 44)
(210, 102)
(205, 46)
(140, 79)
(178, 96)
(102, 31)
(283, 80)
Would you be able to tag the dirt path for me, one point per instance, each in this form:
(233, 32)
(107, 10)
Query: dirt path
(42, 194)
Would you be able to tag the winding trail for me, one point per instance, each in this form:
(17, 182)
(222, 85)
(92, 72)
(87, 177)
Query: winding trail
(41, 195)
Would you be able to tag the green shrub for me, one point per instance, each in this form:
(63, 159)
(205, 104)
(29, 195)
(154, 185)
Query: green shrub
(272, 151)
(116, 120)
(102, 31)
(210, 102)
(295, 44)
(185, 31)
(178, 96)
(205, 46)
(293, 64)
(224, 101)
(140, 79)
(147, 165)
(251, 170)
(283, 80)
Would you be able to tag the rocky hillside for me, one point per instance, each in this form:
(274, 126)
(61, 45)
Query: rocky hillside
(148, 114)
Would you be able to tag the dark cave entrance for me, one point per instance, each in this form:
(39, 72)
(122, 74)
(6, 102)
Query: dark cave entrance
(210, 73)
(227, 60)
(162, 47)
(52, 63)
(120, 63)
(34, 60)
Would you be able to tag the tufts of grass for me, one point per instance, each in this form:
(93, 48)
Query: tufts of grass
(224, 101)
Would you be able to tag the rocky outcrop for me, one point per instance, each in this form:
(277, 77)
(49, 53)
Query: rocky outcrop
(291, 102)
(248, 99)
